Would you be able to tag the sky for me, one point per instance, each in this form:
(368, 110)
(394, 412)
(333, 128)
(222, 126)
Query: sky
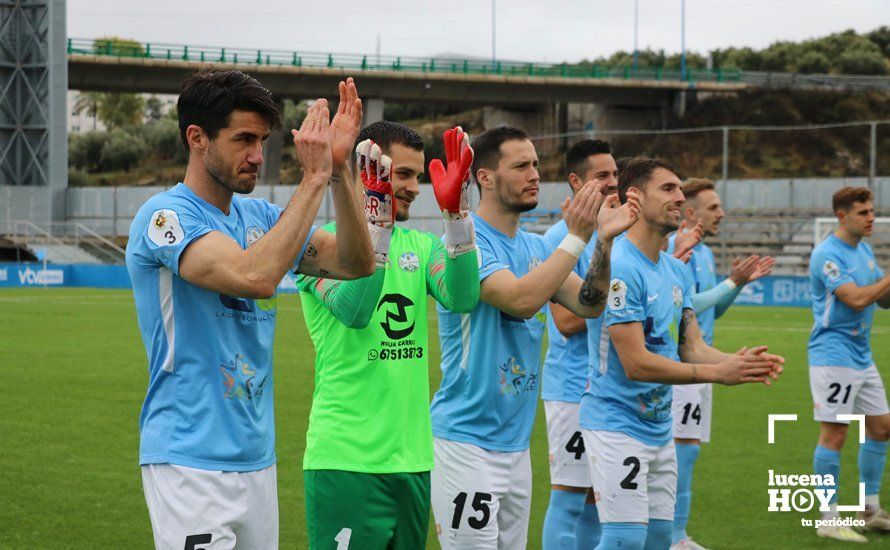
(526, 30)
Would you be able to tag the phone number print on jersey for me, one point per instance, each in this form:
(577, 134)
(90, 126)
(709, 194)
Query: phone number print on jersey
(384, 354)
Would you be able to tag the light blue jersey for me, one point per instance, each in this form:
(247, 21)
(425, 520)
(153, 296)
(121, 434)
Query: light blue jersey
(703, 269)
(565, 366)
(653, 294)
(840, 336)
(491, 360)
(209, 400)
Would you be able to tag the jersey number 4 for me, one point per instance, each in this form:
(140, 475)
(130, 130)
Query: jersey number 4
(480, 504)
(576, 445)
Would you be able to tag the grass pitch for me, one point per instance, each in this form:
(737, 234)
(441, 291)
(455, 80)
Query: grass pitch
(74, 375)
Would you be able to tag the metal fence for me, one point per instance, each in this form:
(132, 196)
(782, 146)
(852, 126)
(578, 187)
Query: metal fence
(735, 152)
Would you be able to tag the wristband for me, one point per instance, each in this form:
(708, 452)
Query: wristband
(380, 238)
(573, 244)
(460, 236)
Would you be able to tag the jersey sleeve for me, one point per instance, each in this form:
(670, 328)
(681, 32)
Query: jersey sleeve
(626, 301)
(832, 270)
(166, 229)
(350, 302)
(453, 282)
(488, 261)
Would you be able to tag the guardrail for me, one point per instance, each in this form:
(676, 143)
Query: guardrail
(29, 233)
(359, 62)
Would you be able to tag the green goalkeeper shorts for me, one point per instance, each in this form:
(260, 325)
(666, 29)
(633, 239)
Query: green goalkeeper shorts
(356, 510)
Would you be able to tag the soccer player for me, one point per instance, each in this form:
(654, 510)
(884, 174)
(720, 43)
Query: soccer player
(484, 410)
(205, 263)
(647, 340)
(692, 403)
(571, 520)
(369, 447)
(846, 285)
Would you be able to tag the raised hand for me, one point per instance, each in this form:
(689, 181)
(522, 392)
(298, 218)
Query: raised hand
(763, 268)
(580, 212)
(615, 218)
(374, 170)
(741, 271)
(451, 181)
(687, 238)
(347, 122)
(313, 144)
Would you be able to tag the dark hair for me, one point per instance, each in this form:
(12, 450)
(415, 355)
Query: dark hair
(385, 134)
(487, 147)
(207, 99)
(636, 171)
(576, 156)
(844, 198)
(693, 186)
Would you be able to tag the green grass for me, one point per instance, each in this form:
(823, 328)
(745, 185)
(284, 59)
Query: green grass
(73, 371)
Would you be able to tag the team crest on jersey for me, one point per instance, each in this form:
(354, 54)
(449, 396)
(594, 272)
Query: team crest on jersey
(677, 294)
(617, 294)
(253, 234)
(533, 263)
(164, 228)
(871, 265)
(409, 262)
(831, 270)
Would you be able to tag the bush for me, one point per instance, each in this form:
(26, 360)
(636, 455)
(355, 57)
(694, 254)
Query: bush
(85, 150)
(861, 62)
(163, 141)
(77, 178)
(122, 150)
(813, 63)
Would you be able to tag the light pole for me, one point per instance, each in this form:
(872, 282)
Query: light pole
(493, 36)
(636, 32)
(683, 39)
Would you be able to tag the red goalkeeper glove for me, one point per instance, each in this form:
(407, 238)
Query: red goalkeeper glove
(451, 184)
(374, 170)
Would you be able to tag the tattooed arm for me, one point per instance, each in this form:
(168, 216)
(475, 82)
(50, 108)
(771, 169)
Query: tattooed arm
(587, 297)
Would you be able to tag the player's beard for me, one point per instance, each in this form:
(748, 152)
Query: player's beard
(512, 202)
(225, 174)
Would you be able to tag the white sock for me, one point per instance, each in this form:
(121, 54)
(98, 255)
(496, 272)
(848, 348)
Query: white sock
(872, 503)
(831, 513)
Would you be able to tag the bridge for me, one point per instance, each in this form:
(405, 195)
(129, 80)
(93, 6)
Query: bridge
(159, 68)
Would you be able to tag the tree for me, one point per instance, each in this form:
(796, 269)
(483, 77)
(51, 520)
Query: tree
(118, 110)
(154, 109)
(88, 102)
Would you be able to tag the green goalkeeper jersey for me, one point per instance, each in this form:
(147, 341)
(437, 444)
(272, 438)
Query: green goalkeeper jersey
(370, 409)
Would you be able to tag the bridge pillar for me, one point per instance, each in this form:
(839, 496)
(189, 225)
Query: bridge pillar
(372, 111)
(33, 139)
(270, 171)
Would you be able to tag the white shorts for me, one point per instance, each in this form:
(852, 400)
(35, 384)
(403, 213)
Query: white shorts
(633, 482)
(691, 409)
(568, 456)
(211, 510)
(842, 390)
(481, 499)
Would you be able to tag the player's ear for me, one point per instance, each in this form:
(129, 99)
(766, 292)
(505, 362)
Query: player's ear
(575, 182)
(485, 177)
(197, 138)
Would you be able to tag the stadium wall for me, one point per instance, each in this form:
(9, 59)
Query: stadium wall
(109, 210)
(770, 291)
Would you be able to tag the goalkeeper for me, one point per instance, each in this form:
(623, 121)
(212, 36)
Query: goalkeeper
(369, 447)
